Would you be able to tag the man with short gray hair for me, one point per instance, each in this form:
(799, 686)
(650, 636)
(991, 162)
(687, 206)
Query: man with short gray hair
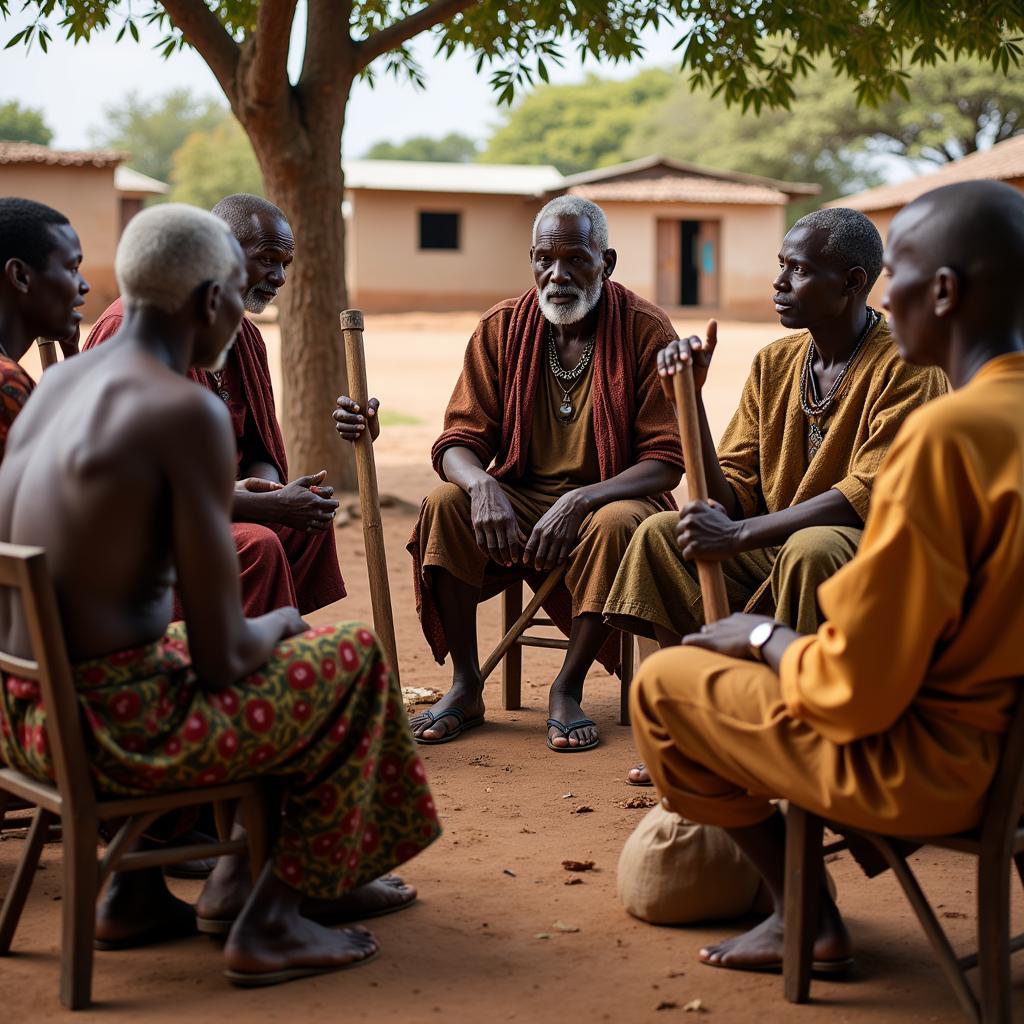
(558, 442)
(791, 477)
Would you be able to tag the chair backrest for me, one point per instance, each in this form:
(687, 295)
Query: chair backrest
(23, 570)
(1004, 806)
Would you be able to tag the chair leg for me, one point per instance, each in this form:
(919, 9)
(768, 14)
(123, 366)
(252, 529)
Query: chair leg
(626, 669)
(256, 810)
(14, 902)
(994, 937)
(1019, 861)
(512, 663)
(804, 870)
(81, 882)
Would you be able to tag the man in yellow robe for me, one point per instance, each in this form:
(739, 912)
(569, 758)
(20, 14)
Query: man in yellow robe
(793, 472)
(890, 717)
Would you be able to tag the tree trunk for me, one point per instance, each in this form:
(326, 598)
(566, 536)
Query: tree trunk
(300, 157)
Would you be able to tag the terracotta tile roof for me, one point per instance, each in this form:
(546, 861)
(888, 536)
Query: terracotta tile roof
(676, 188)
(1002, 161)
(31, 153)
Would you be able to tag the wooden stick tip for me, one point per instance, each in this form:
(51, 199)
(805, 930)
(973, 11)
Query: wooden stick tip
(352, 320)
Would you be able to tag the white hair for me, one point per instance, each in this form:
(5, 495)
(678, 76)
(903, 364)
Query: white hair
(168, 251)
(577, 206)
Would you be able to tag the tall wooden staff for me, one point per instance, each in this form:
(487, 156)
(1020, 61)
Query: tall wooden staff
(712, 580)
(47, 352)
(369, 496)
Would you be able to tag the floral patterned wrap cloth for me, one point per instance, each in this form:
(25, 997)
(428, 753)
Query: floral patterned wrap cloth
(324, 716)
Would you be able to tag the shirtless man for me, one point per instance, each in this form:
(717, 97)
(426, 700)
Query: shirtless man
(134, 466)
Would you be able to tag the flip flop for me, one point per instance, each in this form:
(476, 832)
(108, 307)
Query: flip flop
(246, 979)
(462, 724)
(824, 968)
(554, 723)
(630, 782)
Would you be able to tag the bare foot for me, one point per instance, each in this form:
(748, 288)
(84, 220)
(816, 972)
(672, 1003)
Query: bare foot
(138, 909)
(467, 697)
(270, 942)
(383, 896)
(566, 708)
(761, 948)
(639, 776)
(226, 889)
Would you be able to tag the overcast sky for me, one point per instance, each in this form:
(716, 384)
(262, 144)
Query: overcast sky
(74, 84)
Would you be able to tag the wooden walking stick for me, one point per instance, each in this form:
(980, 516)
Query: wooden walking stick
(47, 352)
(712, 580)
(369, 496)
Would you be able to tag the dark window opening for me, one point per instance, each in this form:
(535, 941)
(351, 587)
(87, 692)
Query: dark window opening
(689, 275)
(439, 230)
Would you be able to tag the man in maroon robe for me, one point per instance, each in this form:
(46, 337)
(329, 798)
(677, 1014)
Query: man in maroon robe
(283, 530)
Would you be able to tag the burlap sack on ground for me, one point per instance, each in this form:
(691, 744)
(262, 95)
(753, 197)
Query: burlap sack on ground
(672, 871)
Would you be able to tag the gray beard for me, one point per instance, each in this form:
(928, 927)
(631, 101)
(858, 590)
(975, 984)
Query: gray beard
(256, 300)
(563, 316)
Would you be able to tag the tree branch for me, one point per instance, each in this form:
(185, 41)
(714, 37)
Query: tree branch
(270, 43)
(400, 32)
(201, 28)
(328, 42)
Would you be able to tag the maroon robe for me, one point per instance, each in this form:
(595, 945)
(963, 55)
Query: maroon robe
(279, 566)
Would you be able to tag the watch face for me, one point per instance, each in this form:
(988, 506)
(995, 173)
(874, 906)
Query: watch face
(761, 633)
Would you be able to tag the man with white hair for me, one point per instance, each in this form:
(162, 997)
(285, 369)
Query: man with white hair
(283, 530)
(558, 442)
(134, 466)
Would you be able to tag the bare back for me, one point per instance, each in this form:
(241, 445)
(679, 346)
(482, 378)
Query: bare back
(94, 467)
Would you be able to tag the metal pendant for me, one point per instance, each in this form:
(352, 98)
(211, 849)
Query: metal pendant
(222, 394)
(565, 410)
(815, 438)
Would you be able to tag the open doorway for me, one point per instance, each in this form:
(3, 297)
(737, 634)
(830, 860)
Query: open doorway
(688, 262)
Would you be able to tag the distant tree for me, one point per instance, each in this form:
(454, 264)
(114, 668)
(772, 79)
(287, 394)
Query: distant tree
(152, 130)
(953, 110)
(214, 163)
(453, 148)
(577, 127)
(23, 124)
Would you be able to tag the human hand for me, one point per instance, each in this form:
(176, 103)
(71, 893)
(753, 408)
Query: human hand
(257, 485)
(556, 532)
(350, 422)
(705, 532)
(730, 635)
(301, 505)
(494, 522)
(69, 345)
(292, 623)
(687, 350)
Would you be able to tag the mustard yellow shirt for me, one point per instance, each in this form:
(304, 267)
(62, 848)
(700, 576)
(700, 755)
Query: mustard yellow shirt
(928, 619)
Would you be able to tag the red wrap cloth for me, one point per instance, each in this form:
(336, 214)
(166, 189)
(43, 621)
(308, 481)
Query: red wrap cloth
(279, 566)
(491, 414)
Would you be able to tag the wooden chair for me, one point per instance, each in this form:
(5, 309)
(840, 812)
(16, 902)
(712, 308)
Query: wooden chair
(997, 842)
(516, 621)
(73, 799)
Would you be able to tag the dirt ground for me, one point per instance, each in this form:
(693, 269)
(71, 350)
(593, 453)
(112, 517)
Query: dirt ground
(482, 942)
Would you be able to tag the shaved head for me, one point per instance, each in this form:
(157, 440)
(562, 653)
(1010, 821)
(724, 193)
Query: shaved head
(954, 259)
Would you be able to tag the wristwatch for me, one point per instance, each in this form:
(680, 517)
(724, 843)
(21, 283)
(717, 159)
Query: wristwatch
(759, 636)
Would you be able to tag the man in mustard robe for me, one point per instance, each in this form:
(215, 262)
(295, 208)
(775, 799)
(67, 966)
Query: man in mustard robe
(793, 472)
(889, 718)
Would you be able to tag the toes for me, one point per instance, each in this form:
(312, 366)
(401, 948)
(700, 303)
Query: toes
(558, 739)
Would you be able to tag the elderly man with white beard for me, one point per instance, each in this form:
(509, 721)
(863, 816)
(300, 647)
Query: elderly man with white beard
(282, 530)
(558, 442)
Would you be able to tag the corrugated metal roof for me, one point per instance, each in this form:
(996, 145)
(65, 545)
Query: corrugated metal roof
(681, 189)
(1001, 161)
(419, 176)
(31, 153)
(128, 180)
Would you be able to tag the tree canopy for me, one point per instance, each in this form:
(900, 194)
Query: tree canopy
(152, 131)
(23, 124)
(214, 163)
(452, 148)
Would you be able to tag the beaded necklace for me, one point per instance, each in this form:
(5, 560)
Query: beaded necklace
(815, 406)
